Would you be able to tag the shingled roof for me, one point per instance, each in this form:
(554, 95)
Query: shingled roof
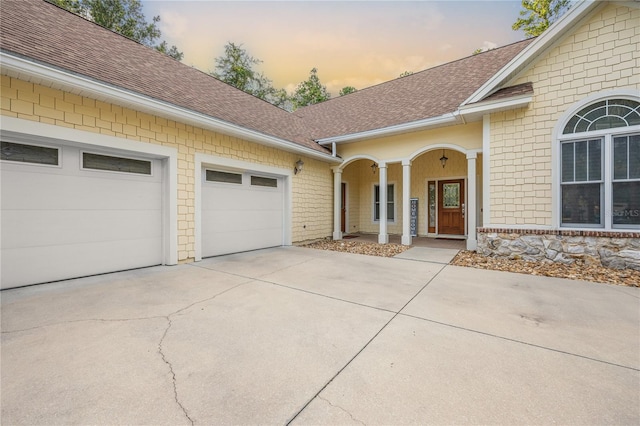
(426, 94)
(43, 32)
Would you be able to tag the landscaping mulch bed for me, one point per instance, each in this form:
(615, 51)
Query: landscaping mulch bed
(577, 271)
(358, 247)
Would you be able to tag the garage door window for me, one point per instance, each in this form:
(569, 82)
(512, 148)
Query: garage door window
(224, 177)
(115, 164)
(30, 154)
(263, 181)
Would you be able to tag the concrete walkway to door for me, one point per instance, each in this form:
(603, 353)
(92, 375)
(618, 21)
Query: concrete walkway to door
(300, 336)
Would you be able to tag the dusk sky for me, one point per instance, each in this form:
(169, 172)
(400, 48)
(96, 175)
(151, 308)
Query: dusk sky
(354, 43)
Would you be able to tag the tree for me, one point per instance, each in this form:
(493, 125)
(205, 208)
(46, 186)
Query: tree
(170, 51)
(310, 91)
(124, 17)
(406, 73)
(237, 68)
(346, 90)
(538, 15)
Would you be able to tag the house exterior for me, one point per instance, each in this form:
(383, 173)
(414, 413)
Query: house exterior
(115, 156)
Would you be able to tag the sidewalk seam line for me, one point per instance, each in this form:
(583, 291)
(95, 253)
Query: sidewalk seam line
(361, 349)
(519, 341)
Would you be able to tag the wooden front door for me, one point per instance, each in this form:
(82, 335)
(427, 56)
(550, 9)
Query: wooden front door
(343, 209)
(451, 208)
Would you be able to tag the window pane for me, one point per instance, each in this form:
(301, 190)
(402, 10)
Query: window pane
(626, 203)
(608, 122)
(620, 158)
(115, 164)
(376, 193)
(582, 126)
(571, 125)
(226, 177)
(581, 204)
(595, 160)
(567, 162)
(376, 211)
(263, 181)
(390, 210)
(581, 161)
(390, 193)
(596, 113)
(634, 157)
(29, 153)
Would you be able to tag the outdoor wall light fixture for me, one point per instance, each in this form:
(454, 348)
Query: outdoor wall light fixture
(443, 159)
(298, 167)
(374, 167)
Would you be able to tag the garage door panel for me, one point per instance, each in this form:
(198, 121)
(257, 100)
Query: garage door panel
(72, 192)
(241, 198)
(32, 228)
(238, 218)
(238, 241)
(51, 263)
(64, 222)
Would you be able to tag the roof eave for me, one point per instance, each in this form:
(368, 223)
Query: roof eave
(477, 110)
(37, 72)
(414, 126)
(522, 59)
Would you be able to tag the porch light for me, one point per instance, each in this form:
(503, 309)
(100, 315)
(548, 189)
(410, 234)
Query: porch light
(443, 159)
(374, 167)
(298, 167)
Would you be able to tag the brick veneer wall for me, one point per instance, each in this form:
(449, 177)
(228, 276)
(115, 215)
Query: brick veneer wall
(612, 249)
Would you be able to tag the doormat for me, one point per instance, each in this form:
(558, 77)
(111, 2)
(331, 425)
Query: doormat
(348, 237)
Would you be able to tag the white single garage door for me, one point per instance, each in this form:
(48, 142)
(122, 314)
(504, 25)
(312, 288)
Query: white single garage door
(69, 212)
(241, 211)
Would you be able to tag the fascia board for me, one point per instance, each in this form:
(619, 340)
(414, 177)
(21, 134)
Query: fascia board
(495, 106)
(26, 69)
(547, 38)
(392, 130)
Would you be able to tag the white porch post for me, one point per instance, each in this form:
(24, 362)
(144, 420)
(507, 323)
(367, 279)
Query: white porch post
(383, 237)
(406, 202)
(472, 241)
(337, 204)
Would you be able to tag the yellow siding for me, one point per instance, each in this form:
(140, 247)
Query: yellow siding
(601, 54)
(467, 136)
(312, 189)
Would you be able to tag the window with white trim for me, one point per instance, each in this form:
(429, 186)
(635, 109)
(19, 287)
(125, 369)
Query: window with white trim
(391, 206)
(600, 166)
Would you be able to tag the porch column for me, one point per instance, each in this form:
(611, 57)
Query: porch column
(406, 202)
(472, 240)
(383, 237)
(337, 203)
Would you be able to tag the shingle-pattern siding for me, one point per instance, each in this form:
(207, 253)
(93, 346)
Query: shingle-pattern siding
(602, 54)
(430, 93)
(45, 33)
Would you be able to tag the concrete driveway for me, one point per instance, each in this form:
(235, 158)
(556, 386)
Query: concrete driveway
(300, 336)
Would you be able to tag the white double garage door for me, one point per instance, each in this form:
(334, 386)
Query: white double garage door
(69, 211)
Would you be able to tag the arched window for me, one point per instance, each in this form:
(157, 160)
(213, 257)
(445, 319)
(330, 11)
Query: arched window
(600, 166)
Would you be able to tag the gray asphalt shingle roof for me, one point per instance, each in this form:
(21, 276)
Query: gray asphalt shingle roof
(47, 34)
(426, 94)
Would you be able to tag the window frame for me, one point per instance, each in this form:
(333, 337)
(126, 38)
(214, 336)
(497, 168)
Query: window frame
(39, 145)
(151, 173)
(607, 136)
(394, 202)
